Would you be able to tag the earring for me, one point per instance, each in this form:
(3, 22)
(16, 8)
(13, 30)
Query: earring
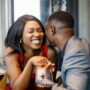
(20, 41)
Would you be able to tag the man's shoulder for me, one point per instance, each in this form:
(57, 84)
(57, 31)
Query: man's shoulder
(78, 44)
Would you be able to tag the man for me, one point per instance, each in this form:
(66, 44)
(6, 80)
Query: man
(75, 70)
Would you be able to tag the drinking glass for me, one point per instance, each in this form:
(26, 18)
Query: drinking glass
(2, 76)
(1, 70)
(43, 79)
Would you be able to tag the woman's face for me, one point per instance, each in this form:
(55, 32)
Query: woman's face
(32, 35)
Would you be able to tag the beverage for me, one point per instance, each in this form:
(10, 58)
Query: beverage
(43, 79)
(1, 76)
(1, 73)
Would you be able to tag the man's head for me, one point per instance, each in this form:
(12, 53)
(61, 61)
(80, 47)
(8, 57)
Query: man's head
(59, 27)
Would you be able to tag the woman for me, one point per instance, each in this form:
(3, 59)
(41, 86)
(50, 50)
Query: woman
(25, 39)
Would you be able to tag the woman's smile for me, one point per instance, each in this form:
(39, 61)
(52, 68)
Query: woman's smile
(36, 41)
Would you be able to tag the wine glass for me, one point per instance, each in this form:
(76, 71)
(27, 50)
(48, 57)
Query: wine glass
(1, 70)
(3, 76)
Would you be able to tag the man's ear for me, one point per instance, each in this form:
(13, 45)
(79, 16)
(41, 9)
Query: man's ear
(53, 31)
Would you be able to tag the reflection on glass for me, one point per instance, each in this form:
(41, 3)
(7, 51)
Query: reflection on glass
(3, 76)
(44, 79)
(2, 69)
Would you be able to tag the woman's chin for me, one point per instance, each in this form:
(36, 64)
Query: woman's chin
(37, 47)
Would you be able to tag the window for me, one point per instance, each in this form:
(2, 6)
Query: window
(22, 7)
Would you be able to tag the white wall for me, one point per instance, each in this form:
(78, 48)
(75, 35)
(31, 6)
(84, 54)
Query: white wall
(5, 22)
(0, 33)
(84, 19)
(2, 26)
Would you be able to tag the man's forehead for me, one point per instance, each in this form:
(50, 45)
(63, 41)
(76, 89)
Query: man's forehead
(56, 24)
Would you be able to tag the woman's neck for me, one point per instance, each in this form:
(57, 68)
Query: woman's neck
(30, 53)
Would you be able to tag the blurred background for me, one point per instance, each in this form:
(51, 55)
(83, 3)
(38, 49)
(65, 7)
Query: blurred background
(10, 10)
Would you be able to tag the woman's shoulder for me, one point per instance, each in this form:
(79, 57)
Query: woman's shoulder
(10, 54)
(9, 49)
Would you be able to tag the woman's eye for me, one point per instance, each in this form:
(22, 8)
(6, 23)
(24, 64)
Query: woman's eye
(31, 30)
(39, 30)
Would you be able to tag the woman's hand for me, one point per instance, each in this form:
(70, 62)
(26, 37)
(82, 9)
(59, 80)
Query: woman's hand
(40, 61)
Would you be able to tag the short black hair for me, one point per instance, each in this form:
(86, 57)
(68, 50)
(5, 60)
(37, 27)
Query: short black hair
(63, 17)
(16, 30)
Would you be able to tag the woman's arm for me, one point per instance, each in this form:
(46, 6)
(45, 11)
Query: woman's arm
(19, 80)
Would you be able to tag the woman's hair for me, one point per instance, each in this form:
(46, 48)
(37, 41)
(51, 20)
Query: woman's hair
(15, 32)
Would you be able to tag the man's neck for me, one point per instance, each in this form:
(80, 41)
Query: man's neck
(63, 42)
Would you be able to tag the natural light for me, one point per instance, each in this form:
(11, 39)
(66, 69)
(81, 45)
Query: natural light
(22, 7)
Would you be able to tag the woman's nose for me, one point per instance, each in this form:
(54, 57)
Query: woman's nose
(36, 34)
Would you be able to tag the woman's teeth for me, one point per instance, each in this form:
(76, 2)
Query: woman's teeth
(36, 41)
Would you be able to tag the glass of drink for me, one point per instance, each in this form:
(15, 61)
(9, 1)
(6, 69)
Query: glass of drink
(44, 79)
(1, 70)
(2, 76)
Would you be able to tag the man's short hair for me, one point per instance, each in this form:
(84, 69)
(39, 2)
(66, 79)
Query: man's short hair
(63, 17)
